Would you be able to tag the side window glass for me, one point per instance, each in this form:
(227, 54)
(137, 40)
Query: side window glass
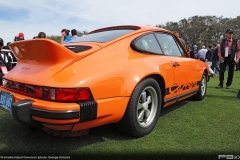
(183, 53)
(148, 43)
(168, 44)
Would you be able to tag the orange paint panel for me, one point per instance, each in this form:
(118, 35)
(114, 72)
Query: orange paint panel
(40, 59)
(112, 106)
(55, 106)
(109, 111)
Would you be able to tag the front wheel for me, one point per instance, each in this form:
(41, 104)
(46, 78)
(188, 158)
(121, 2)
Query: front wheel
(143, 109)
(202, 88)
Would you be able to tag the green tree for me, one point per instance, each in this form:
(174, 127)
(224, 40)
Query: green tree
(203, 30)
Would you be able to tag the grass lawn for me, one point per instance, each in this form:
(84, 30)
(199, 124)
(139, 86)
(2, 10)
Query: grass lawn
(188, 129)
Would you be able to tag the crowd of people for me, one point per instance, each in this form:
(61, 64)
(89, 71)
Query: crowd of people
(66, 36)
(6, 60)
(220, 57)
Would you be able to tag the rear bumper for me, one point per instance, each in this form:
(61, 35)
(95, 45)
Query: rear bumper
(67, 116)
(23, 112)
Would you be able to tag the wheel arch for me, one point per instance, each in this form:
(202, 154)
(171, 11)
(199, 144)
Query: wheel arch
(133, 129)
(207, 73)
(161, 83)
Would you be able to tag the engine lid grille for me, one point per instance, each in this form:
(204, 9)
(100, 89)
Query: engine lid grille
(77, 49)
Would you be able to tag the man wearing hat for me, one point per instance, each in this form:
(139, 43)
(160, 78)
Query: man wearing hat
(194, 52)
(20, 36)
(227, 51)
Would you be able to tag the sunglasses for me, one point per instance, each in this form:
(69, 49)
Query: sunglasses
(230, 32)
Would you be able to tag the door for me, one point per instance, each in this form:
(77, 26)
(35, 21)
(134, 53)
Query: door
(184, 68)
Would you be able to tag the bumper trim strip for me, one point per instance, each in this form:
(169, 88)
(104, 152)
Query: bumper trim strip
(60, 115)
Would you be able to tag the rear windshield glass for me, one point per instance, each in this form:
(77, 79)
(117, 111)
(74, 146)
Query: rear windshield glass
(104, 36)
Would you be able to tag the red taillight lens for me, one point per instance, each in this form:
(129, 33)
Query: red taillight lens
(67, 94)
(72, 94)
(48, 93)
(25, 89)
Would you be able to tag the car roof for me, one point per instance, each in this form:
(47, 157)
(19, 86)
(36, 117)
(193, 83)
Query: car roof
(134, 27)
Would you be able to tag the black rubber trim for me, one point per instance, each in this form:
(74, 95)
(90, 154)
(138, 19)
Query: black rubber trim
(88, 110)
(60, 115)
(21, 113)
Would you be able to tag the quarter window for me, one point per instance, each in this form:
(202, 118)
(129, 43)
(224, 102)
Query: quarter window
(149, 44)
(168, 44)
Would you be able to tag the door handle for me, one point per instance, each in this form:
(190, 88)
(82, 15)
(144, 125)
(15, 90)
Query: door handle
(175, 64)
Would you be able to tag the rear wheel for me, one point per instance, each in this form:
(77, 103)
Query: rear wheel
(143, 109)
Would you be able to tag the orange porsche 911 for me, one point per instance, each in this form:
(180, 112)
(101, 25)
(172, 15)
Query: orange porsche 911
(119, 74)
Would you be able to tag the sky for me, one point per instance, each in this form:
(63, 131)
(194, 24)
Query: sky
(51, 16)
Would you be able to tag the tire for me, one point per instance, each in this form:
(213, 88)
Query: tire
(143, 109)
(202, 88)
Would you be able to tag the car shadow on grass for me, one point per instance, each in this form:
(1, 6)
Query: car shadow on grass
(175, 106)
(17, 139)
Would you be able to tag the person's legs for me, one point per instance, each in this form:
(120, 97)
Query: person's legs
(238, 94)
(215, 66)
(230, 72)
(1, 75)
(237, 67)
(215, 71)
(221, 74)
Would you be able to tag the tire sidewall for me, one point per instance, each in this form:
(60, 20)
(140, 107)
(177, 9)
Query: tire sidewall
(134, 103)
(200, 96)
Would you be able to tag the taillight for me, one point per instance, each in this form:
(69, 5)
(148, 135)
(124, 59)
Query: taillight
(67, 94)
(25, 89)
(49, 93)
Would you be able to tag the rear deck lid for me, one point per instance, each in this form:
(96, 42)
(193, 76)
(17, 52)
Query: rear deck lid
(40, 59)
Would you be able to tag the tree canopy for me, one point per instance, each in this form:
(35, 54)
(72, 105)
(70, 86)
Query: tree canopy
(203, 30)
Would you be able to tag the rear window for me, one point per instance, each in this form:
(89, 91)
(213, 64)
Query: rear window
(104, 36)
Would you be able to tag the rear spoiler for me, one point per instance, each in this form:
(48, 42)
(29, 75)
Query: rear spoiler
(43, 51)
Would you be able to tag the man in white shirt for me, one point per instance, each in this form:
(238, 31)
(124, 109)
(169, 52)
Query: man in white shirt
(74, 34)
(202, 53)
